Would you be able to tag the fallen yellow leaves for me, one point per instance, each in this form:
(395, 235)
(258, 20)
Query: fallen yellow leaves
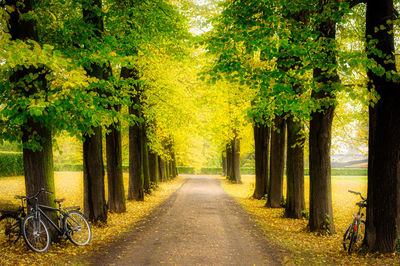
(292, 234)
(69, 185)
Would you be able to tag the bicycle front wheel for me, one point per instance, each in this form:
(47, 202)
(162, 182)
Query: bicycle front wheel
(36, 234)
(10, 229)
(78, 228)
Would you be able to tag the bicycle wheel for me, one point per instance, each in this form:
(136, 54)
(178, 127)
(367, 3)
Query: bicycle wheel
(10, 228)
(36, 234)
(78, 228)
(347, 236)
(357, 236)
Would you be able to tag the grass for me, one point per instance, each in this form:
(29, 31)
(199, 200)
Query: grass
(292, 235)
(69, 185)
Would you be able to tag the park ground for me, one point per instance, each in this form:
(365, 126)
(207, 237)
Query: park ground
(199, 224)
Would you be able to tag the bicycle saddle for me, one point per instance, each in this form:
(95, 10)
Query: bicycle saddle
(59, 200)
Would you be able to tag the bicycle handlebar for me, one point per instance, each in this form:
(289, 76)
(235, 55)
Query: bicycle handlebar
(357, 193)
(35, 196)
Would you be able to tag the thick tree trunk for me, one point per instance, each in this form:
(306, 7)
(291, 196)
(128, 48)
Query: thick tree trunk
(223, 163)
(321, 216)
(277, 164)
(135, 191)
(229, 161)
(167, 170)
(383, 212)
(93, 177)
(38, 163)
(38, 167)
(93, 167)
(153, 169)
(161, 167)
(116, 191)
(294, 169)
(261, 140)
(234, 157)
(174, 169)
(145, 162)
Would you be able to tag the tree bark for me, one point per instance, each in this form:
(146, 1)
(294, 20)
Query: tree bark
(167, 170)
(116, 191)
(153, 169)
(277, 164)
(223, 163)
(321, 216)
(294, 169)
(174, 169)
(38, 163)
(145, 161)
(93, 166)
(93, 177)
(135, 189)
(234, 156)
(261, 140)
(383, 212)
(161, 167)
(229, 161)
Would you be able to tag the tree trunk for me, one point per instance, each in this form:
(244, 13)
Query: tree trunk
(93, 167)
(321, 216)
(229, 161)
(167, 170)
(135, 191)
(174, 169)
(277, 164)
(153, 168)
(294, 169)
(38, 163)
(261, 140)
(161, 167)
(116, 191)
(234, 157)
(93, 177)
(145, 162)
(223, 158)
(383, 212)
(38, 168)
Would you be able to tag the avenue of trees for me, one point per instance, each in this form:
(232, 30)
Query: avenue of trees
(94, 68)
(299, 59)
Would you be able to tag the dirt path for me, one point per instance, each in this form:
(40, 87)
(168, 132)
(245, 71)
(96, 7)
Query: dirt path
(199, 225)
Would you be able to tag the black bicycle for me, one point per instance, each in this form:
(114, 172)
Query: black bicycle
(10, 223)
(71, 224)
(354, 234)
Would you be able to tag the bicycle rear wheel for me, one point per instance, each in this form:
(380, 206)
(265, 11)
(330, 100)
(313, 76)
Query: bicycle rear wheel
(10, 228)
(357, 236)
(347, 236)
(78, 228)
(36, 234)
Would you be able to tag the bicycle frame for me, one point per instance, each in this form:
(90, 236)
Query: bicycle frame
(40, 212)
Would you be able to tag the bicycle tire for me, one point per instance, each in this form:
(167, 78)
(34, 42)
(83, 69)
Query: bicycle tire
(10, 228)
(346, 237)
(36, 234)
(357, 236)
(78, 228)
